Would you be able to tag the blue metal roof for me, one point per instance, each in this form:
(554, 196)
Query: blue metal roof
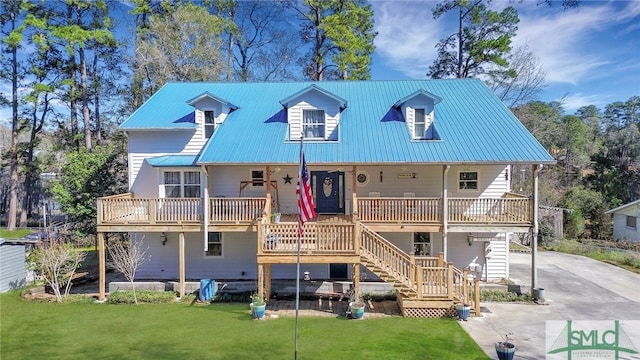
(172, 160)
(473, 125)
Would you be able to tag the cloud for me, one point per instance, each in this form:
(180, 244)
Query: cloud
(573, 45)
(407, 35)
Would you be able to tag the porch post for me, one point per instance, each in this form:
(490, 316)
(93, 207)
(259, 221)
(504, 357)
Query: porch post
(267, 277)
(268, 194)
(261, 279)
(101, 267)
(181, 270)
(354, 195)
(445, 210)
(355, 276)
(535, 170)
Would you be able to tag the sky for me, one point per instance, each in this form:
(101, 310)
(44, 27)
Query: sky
(591, 54)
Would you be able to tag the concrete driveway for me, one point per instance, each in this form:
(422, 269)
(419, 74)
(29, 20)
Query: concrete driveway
(576, 288)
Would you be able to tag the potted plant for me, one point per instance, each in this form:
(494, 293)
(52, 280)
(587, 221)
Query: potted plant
(257, 306)
(275, 217)
(463, 310)
(356, 309)
(505, 349)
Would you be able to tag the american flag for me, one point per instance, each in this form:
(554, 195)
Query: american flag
(306, 210)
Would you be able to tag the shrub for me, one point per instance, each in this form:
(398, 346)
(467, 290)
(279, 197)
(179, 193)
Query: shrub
(149, 297)
(503, 296)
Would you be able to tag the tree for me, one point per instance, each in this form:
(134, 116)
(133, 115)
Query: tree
(56, 262)
(182, 46)
(11, 14)
(542, 121)
(341, 36)
(264, 49)
(127, 260)
(85, 176)
(520, 83)
(480, 44)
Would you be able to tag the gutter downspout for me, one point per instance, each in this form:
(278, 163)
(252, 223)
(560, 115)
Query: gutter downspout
(445, 211)
(535, 171)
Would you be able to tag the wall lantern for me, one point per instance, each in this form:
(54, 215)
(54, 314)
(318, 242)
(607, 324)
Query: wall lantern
(163, 238)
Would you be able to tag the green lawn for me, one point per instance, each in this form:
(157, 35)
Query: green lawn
(32, 330)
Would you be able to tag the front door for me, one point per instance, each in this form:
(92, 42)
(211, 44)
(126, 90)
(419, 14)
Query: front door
(329, 191)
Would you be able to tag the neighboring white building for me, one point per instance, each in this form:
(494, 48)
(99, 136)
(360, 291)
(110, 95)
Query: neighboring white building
(626, 221)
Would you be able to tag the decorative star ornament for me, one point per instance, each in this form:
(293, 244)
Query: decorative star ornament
(287, 179)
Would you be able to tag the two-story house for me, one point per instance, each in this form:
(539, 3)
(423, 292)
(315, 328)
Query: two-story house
(401, 172)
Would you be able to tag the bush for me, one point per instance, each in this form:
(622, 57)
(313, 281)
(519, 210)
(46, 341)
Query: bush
(149, 297)
(503, 296)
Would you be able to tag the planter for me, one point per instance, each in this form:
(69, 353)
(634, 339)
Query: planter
(257, 311)
(538, 294)
(357, 310)
(275, 218)
(463, 311)
(505, 350)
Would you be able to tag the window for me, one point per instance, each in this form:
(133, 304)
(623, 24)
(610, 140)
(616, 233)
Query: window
(257, 176)
(214, 244)
(209, 123)
(422, 244)
(468, 180)
(172, 184)
(419, 125)
(632, 222)
(313, 123)
(181, 184)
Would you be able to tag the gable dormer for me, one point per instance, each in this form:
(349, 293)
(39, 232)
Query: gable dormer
(210, 112)
(313, 112)
(419, 110)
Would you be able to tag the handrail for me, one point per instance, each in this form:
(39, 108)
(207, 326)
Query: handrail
(236, 209)
(317, 238)
(400, 209)
(396, 262)
(490, 210)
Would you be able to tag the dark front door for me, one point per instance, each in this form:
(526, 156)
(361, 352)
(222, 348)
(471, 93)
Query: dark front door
(329, 190)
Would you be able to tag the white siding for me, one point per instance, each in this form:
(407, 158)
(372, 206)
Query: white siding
(620, 229)
(237, 263)
(313, 101)
(409, 114)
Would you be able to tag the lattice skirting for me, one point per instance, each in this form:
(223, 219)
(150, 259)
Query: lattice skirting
(428, 312)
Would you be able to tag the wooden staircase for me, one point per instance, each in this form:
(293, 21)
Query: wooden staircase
(426, 287)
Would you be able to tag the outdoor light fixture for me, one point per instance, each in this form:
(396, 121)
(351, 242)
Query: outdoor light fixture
(163, 238)
(470, 239)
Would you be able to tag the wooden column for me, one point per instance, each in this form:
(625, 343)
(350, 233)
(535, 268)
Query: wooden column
(355, 275)
(267, 276)
(101, 267)
(181, 261)
(268, 194)
(261, 279)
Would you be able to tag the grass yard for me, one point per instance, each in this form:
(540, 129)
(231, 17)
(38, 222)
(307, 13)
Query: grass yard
(36, 330)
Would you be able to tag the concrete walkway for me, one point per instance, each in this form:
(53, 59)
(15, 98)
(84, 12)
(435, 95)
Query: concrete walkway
(576, 288)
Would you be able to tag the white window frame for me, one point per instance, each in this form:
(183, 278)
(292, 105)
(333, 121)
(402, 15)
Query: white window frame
(461, 181)
(182, 183)
(429, 244)
(210, 243)
(416, 122)
(632, 224)
(208, 123)
(304, 124)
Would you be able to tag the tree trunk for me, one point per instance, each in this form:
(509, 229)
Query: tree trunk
(96, 98)
(13, 150)
(85, 99)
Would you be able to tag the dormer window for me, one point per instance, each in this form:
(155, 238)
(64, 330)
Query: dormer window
(313, 124)
(209, 123)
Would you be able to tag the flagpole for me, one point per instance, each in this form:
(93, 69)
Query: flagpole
(300, 185)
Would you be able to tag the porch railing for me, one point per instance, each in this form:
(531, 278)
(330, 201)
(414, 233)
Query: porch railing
(317, 238)
(235, 210)
(507, 210)
(388, 209)
(129, 210)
